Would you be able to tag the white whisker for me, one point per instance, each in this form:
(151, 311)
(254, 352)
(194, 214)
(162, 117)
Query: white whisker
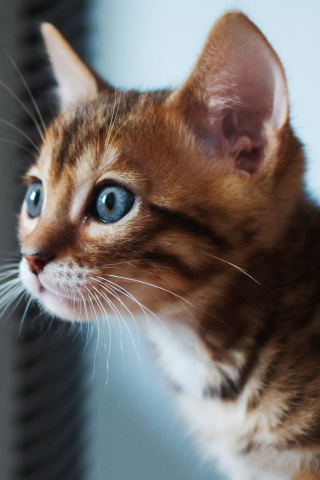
(98, 333)
(17, 129)
(113, 309)
(31, 115)
(232, 265)
(24, 316)
(13, 295)
(125, 323)
(112, 122)
(123, 291)
(17, 69)
(164, 290)
(104, 315)
(18, 145)
(87, 315)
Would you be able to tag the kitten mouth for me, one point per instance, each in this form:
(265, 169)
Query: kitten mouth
(67, 307)
(59, 296)
(62, 297)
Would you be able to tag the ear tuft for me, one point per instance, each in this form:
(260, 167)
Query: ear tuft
(76, 82)
(236, 90)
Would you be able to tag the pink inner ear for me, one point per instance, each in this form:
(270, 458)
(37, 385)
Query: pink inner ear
(236, 134)
(236, 89)
(249, 94)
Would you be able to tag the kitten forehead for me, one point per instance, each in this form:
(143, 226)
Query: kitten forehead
(96, 123)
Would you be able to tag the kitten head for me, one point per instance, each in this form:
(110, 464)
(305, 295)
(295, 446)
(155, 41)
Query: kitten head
(144, 202)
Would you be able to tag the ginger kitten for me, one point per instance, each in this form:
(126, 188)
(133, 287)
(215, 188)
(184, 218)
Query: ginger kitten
(186, 209)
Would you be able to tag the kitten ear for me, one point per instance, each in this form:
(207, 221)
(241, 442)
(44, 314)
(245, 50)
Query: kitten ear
(236, 90)
(76, 82)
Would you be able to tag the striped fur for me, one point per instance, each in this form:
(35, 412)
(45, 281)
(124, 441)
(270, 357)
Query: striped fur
(221, 247)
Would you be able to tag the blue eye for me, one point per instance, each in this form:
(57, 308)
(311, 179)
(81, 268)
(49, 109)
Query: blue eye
(34, 199)
(113, 203)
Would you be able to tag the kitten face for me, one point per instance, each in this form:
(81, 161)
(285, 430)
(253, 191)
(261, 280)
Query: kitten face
(84, 257)
(202, 166)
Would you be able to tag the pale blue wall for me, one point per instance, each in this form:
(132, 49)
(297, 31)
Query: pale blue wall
(153, 44)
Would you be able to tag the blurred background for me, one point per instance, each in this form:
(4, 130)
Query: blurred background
(69, 409)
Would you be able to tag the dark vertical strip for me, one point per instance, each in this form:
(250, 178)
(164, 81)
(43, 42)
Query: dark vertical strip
(50, 420)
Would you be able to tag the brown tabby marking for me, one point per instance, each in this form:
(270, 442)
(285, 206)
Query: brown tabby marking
(222, 243)
(306, 475)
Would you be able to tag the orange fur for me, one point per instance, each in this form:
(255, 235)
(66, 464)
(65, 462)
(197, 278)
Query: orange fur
(306, 475)
(220, 243)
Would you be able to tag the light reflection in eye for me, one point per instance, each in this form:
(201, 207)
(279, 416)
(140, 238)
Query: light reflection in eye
(34, 199)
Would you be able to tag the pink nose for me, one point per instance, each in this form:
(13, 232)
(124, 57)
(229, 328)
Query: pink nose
(36, 262)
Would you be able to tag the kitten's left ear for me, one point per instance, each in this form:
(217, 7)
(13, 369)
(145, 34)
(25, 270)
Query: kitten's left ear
(76, 81)
(236, 92)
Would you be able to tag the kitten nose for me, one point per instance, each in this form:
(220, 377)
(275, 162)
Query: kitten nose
(37, 261)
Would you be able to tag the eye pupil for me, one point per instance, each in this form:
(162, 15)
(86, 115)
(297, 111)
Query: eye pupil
(110, 200)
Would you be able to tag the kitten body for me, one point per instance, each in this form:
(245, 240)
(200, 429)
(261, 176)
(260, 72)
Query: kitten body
(217, 254)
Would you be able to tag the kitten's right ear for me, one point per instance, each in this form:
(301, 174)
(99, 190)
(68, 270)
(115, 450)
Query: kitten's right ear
(76, 81)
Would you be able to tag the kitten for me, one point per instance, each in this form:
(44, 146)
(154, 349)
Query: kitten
(187, 209)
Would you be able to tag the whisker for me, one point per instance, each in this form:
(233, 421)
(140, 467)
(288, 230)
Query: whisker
(143, 307)
(12, 142)
(19, 296)
(10, 265)
(5, 287)
(232, 265)
(3, 276)
(24, 316)
(116, 134)
(112, 122)
(84, 302)
(164, 290)
(8, 293)
(74, 305)
(117, 313)
(113, 292)
(17, 69)
(87, 315)
(5, 122)
(47, 330)
(11, 292)
(127, 262)
(31, 115)
(128, 329)
(9, 296)
(109, 347)
(104, 315)
(113, 309)
(13, 257)
(98, 334)
(80, 313)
